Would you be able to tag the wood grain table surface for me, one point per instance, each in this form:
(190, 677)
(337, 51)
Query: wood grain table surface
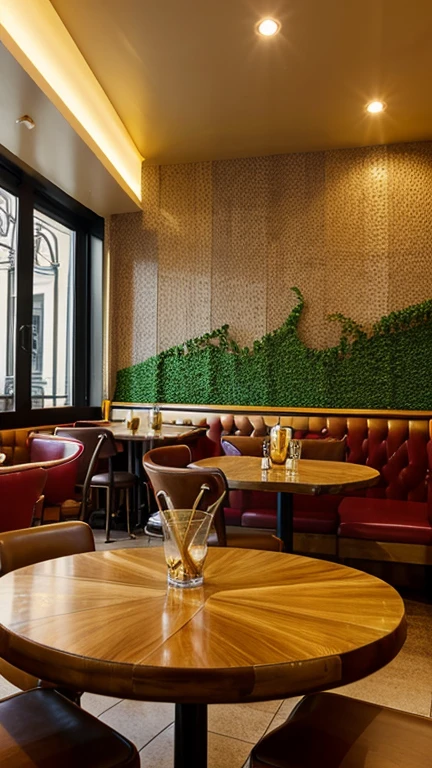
(312, 477)
(145, 434)
(265, 625)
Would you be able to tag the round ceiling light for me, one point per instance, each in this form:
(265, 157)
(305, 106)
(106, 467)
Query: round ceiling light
(375, 107)
(268, 27)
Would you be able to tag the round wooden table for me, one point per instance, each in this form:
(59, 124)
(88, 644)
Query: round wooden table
(265, 625)
(312, 477)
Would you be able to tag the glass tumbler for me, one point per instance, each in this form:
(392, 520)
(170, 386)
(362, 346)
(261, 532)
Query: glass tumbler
(294, 454)
(185, 545)
(279, 442)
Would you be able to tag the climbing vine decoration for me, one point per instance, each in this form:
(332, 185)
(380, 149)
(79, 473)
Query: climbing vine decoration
(390, 367)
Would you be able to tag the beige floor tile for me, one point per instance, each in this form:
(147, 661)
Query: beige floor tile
(238, 721)
(275, 723)
(97, 705)
(266, 706)
(288, 706)
(139, 721)
(159, 753)
(223, 752)
(6, 688)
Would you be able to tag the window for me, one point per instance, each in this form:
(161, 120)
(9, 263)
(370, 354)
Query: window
(51, 273)
(8, 257)
(53, 305)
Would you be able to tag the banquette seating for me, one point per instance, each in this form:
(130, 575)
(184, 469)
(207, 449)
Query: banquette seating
(391, 521)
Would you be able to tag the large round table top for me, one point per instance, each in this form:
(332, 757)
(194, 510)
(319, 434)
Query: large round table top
(312, 477)
(265, 625)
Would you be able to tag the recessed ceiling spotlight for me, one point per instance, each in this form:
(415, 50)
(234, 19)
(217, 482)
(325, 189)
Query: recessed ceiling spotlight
(375, 107)
(268, 27)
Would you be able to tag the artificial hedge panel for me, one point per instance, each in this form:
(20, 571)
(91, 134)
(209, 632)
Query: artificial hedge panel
(387, 368)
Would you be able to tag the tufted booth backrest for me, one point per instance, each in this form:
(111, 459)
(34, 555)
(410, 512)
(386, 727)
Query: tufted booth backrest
(397, 448)
(14, 443)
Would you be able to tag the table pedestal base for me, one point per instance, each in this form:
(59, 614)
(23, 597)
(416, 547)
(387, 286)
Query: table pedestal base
(190, 736)
(285, 519)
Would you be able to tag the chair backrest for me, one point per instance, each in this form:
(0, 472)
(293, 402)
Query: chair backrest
(178, 456)
(94, 447)
(242, 446)
(321, 450)
(46, 542)
(182, 486)
(19, 492)
(62, 472)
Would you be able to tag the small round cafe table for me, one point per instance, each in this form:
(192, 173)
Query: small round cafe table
(265, 625)
(311, 477)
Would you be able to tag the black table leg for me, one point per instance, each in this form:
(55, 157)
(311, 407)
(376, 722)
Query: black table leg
(285, 519)
(190, 736)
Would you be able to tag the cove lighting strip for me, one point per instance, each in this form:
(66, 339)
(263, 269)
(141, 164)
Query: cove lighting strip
(36, 36)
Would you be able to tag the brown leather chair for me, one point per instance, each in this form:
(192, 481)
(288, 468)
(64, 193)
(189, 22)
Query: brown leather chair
(34, 545)
(99, 443)
(42, 729)
(333, 731)
(168, 472)
(319, 450)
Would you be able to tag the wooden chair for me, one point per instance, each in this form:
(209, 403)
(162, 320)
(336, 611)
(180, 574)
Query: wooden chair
(99, 443)
(43, 729)
(34, 545)
(168, 472)
(327, 730)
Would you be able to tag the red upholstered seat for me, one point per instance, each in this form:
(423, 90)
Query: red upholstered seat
(385, 520)
(316, 514)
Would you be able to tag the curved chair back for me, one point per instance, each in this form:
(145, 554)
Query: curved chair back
(60, 457)
(321, 450)
(242, 446)
(178, 456)
(34, 545)
(19, 492)
(97, 444)
(181, 486)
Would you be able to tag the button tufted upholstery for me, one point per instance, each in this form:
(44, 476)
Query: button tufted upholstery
(395, 510)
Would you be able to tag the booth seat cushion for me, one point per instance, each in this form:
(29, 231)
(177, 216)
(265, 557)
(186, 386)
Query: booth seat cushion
(256, 509)
(385, 520)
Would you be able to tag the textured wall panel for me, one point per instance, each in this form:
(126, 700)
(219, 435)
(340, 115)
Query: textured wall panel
(240, 239)
(410, 224)
(295, 242)
(356, 235)
(352, 228)
(184, 290)
(134, 269)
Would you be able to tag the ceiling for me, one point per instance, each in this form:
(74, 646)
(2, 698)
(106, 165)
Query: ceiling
(192, 80)
(52, 148)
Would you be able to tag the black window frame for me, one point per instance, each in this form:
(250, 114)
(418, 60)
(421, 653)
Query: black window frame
(34, 191)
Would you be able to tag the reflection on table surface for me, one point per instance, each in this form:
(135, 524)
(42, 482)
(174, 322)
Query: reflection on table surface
(120, 431)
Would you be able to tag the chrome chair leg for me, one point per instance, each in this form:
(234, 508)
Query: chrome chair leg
(109, 499)
(128, 492)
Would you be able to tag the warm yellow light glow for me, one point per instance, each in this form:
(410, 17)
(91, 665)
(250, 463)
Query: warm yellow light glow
(37, 37)
(268, 27)
(374, 107)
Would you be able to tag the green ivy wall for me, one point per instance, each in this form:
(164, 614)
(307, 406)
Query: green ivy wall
(387, 368)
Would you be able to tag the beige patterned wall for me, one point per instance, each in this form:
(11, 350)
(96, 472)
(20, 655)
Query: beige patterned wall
(223, 242)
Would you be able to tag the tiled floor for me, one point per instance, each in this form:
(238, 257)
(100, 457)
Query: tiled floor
(406, 683)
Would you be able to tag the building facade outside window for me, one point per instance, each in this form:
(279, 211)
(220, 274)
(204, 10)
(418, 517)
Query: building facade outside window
(50, 298)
